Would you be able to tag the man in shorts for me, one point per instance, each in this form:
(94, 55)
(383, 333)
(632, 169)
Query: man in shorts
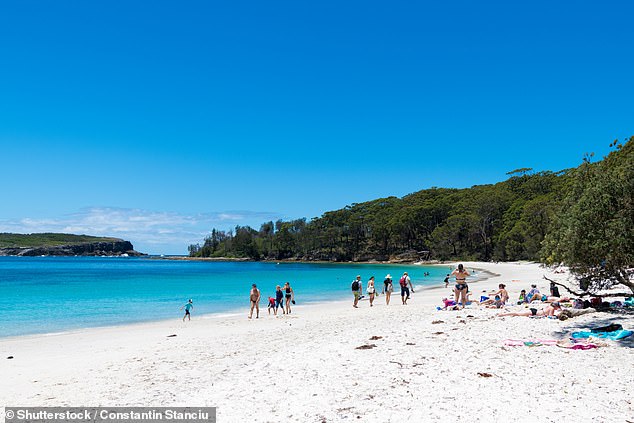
(357, 290)
(406, 284)
(187, 307)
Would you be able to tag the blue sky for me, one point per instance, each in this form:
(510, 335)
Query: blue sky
(155, 121)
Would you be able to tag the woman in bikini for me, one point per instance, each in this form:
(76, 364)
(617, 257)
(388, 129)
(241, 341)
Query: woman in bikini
(254, 296)
(549, 311)
(461, 287)
(289, 295)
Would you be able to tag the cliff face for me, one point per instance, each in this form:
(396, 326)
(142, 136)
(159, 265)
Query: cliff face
(115, 248)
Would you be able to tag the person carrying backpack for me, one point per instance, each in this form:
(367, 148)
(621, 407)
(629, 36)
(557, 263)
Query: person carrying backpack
(406, 284)
(357, 290)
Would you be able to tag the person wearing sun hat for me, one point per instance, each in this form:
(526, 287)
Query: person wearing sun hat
(406, 284)
(388, 288)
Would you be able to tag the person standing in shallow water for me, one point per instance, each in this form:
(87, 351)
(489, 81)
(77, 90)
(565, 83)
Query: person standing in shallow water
(388, 288)
(189, 306)
(371, 290)
(254, 296)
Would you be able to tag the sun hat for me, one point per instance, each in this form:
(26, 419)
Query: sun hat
(388, 276)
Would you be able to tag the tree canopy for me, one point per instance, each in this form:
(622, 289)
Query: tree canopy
(594, 231)
(581, 217)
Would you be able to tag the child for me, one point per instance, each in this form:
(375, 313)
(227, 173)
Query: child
(522, 299)
(272, 305)
(187, 307)
(448, 303)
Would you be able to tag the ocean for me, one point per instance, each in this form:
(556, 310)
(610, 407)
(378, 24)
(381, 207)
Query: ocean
(57, 294)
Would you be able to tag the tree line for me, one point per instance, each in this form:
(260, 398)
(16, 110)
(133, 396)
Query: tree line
(581, 217)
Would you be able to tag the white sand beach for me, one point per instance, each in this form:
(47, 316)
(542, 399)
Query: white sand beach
(426, 365)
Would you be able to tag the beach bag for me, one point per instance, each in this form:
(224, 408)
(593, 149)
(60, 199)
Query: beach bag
(355, 286)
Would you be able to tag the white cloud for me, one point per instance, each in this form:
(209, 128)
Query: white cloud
(155, 232)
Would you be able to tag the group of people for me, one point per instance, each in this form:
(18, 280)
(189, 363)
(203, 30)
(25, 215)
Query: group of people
(405, 283)
(501, 297)
(283, 299)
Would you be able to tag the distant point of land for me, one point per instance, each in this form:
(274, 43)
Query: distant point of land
(57, 244)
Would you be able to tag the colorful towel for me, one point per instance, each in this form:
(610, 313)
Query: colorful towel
(614, 336)
(529, 342)
(574, 346)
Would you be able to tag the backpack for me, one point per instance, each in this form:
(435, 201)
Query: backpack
(403, 281)
(355, 285)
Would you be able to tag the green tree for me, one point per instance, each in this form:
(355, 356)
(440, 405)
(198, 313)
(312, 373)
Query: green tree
(594, 230)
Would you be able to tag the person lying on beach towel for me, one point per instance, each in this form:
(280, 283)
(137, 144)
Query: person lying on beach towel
(573, 312)
(549, 299)
(548, 311)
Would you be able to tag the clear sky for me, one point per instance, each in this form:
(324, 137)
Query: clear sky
(156, 121)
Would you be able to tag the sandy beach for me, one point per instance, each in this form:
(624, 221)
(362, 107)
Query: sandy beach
(420, 364)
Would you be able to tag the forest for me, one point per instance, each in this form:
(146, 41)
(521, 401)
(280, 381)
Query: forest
(581, 216)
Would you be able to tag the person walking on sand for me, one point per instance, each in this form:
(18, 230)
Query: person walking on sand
(388, 288)
(371, 290)
(279, 300)
(406, 284)
(254, 296)
(189, 306)
(461, 287)
(289, 295)
(357, 289)
(446, 281)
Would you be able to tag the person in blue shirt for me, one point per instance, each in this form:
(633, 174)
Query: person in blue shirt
(189, 306)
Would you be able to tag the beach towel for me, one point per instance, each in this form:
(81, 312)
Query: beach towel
(614, 336)
(574, 346)
(529, 342)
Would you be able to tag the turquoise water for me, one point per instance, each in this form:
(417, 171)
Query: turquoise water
(53, 294)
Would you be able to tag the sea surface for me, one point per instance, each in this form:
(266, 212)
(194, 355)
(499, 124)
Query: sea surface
(57, 294)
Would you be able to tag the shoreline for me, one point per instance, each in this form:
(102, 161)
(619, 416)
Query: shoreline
(337, 363)
(237, 311)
